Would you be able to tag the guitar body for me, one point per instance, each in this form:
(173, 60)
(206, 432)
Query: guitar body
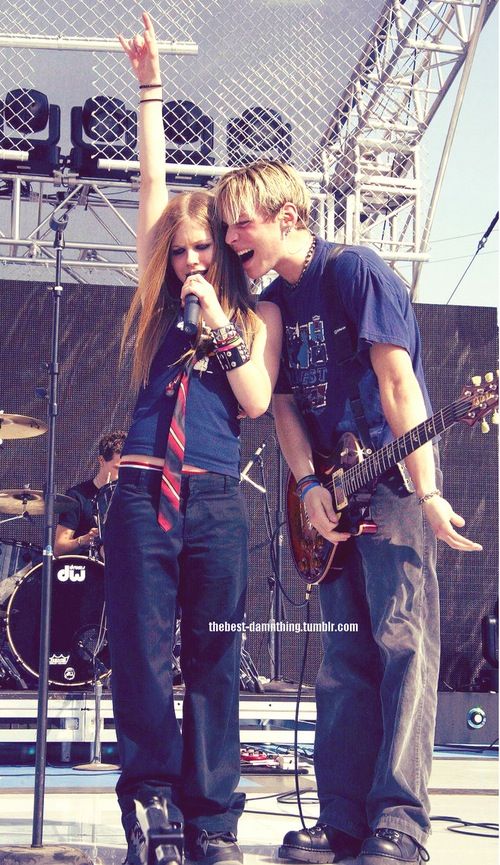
(350, 476)
(312, 554)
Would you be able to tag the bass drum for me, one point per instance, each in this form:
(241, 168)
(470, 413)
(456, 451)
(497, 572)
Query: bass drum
(79, 651)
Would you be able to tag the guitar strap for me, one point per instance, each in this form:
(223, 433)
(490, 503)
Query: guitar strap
(346, 345)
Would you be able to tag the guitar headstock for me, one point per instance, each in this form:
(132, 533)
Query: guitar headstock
(478, 399)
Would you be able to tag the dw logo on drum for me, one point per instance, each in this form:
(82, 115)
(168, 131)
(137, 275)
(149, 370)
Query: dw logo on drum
(73, 573)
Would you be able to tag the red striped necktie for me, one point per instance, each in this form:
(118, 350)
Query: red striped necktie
(170, 493)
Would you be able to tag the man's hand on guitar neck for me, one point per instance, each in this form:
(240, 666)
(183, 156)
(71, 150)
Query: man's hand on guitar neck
(319, 506)
(441, 517)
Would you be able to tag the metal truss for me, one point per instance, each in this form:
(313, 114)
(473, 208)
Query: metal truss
(365, 173)
(101, 209)
(370, 152)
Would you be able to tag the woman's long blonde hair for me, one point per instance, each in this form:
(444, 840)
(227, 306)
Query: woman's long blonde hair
(155, 303)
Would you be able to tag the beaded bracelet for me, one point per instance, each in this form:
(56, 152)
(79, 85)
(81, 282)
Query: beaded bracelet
(428, 496)
(308, 482)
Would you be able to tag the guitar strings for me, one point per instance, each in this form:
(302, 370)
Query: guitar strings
(374, 465)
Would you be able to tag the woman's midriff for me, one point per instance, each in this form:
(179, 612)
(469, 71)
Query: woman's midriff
(146, 461)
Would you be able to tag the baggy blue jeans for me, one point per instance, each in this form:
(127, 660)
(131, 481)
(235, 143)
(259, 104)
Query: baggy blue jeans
(201, 567)
(376, 689)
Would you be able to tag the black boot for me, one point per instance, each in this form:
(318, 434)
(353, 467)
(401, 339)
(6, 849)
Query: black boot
(321, 843)
(212, 848)
(390, 847)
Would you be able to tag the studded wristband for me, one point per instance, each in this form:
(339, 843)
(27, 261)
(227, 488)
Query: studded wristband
(224, 335)
(233, 355)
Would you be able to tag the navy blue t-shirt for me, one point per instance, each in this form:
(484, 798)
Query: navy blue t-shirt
(211, 425)
(377, 309)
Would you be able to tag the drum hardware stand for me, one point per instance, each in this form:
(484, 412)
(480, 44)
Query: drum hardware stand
(8, 667)
(95, 763)
(58, 223)
(25, 514)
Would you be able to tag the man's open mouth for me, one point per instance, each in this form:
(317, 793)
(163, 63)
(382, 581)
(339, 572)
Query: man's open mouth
(245, 255)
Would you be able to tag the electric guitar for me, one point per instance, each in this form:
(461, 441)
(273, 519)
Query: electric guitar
(350, 474)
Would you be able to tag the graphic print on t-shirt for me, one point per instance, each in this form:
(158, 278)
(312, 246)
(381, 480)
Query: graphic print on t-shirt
(307, 359)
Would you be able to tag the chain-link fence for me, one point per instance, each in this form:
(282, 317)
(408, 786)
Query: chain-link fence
(341, 89)
(265, 77)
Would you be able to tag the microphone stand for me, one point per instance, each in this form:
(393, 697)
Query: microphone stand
(58, 223)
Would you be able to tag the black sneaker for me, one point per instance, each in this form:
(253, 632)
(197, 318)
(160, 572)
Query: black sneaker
(136, 852)
(212, 848)
(321, 843)
(390, 847)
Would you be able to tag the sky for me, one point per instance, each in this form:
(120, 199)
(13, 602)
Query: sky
(469, 196)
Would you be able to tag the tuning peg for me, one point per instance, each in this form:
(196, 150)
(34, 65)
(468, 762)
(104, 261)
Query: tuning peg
(485, 427)
(489, 376)
(495, 417)
(476, 380)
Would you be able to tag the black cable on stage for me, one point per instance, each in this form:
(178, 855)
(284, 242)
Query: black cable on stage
(480, 245)
(274, 540)
(290, 798)
(464, 825)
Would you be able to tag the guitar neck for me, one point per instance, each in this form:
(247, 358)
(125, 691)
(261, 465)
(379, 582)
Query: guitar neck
(386, 457)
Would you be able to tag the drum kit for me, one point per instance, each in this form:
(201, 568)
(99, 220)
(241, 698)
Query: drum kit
(79, 654)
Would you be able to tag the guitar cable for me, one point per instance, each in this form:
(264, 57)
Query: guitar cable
(273, 536)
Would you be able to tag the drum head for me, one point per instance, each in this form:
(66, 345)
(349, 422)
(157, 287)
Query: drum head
(78, 647)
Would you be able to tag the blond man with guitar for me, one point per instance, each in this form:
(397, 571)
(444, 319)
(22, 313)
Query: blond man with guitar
(351, 364)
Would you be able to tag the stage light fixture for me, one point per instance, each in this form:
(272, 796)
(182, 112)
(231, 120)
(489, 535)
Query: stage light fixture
(189, 139)
(28, 113)
(102, 129)
(260, 133)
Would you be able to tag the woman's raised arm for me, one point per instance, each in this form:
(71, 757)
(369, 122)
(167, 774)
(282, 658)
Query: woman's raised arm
(142, 51)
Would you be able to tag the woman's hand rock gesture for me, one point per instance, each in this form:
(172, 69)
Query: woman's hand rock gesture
(142, 51)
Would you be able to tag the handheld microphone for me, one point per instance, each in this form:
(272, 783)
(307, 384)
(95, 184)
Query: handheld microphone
(192, 311)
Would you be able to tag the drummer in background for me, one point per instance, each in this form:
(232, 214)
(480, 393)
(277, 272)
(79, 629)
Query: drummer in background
(77, 528)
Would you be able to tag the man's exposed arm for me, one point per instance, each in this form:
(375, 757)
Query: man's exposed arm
(404, 407)
(66, 544)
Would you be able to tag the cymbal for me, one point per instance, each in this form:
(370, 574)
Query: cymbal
(32, 502)
(20, 426)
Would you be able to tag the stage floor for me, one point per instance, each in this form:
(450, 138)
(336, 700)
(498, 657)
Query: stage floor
(80, 810)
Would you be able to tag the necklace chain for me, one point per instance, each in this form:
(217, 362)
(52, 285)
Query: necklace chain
(307, 261)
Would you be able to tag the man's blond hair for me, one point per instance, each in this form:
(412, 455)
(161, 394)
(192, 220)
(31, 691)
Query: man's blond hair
(264, 186)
